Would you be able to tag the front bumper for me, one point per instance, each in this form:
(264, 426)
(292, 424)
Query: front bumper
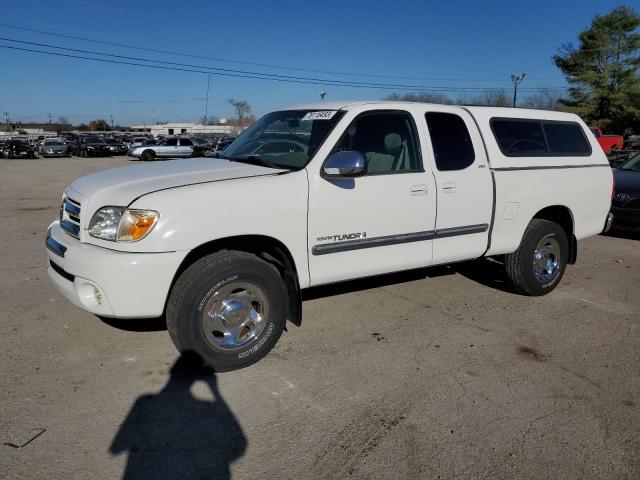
(107, 282)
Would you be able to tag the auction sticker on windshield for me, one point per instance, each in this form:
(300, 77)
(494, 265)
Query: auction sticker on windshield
(321, 115)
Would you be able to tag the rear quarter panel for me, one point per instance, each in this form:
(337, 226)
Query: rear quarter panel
(526, 185)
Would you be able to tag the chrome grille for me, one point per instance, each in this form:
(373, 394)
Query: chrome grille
(70, 217)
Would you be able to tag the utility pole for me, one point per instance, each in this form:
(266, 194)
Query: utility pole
(516, 79)
(6, 119)
(206, 105)
(111, 121)
(49, 118)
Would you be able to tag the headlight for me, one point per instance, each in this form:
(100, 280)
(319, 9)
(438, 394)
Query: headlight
(48, 150)
(120, 224)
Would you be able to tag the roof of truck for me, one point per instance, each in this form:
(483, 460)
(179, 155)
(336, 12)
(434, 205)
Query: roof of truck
(477, 111)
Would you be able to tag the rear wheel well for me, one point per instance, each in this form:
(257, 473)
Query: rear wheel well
(268, 249)
(563, 217)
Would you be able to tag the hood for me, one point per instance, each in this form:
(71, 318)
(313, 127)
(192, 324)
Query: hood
(120, 186)
(627, 181)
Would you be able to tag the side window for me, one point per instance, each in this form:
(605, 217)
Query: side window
(186, 142)
(387, 141)
(452, 145)
(539, 138)
(566, 138)
(519, 138)
(171, 142)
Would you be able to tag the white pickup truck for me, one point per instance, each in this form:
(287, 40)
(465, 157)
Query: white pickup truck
(325, 193)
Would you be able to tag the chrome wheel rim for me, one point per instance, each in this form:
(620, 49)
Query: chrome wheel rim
(234, 316)
(546, 259)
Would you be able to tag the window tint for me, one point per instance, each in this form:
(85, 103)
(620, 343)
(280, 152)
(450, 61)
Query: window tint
(172, 142)
(186, 142)
(386, 140)
(566, 138)
(452, 146)
(519, 138)
(539, 138)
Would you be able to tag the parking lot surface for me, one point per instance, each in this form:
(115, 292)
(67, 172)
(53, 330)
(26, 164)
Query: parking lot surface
(436, 373)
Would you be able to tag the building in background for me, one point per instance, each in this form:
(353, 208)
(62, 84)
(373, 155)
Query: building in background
(184, 129)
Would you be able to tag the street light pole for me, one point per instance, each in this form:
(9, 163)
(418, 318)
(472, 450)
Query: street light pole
(516, 79)
(206, 105)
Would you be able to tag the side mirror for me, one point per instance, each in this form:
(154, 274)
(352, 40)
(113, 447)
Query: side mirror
(347, 164)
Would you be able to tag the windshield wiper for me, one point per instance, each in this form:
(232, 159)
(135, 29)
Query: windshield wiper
(254, 160)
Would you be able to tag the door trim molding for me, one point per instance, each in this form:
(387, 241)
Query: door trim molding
(348, 245)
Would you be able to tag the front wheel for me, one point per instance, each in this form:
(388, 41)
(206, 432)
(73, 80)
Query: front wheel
(230, 307)
(537, 266)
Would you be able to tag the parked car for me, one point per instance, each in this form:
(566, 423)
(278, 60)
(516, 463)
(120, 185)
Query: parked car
(90, 146)
(607, 142)
(19, 148)
(3, 148)
(54, 147)
(625, 205)
(116, 147)
(170, 147)
(227, 244)
(223, 143)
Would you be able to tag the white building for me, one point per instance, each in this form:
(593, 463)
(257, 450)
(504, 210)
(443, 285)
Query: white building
(185, 128)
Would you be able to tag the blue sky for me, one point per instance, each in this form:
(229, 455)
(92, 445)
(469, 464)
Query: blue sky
(463, 44)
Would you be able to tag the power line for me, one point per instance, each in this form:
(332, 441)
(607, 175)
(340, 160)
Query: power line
(175, 66)
(242, 62)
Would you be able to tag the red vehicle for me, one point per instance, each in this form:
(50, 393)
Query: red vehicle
(608, 142)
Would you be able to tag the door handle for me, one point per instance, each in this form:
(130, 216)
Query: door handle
(449, 187)
(418, 189)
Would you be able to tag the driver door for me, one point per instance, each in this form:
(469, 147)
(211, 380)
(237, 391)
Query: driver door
(381, 222)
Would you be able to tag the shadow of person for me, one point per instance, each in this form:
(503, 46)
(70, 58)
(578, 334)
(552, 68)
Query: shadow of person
(172, 434)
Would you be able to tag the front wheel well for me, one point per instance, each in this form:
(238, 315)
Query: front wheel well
(563, 217)
(268, 249)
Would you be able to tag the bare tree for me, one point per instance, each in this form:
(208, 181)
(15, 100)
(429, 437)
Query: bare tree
(425, 97)
(210, 120)
(545, 99)
(243, 110)
(63, 119)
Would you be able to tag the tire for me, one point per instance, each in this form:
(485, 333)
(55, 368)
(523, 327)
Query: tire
(232, 286)
(148, 155)
(539, 263)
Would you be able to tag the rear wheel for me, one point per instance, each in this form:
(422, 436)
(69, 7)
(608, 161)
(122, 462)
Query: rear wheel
(230, 307)
(148, 155)
(537, 266)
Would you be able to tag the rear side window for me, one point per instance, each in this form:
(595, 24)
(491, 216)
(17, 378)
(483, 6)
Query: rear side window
(566, 138)
(452, 146)
(539, 138)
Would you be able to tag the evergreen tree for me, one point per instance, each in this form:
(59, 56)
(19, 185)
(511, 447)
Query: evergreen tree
(603, 71)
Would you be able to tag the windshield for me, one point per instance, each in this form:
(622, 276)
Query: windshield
(286, 139)
(53, 142)
(94, 140)
(632, 164)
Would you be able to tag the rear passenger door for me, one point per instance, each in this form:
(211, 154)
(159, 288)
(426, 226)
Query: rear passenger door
(186, 147)
(463, 183)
